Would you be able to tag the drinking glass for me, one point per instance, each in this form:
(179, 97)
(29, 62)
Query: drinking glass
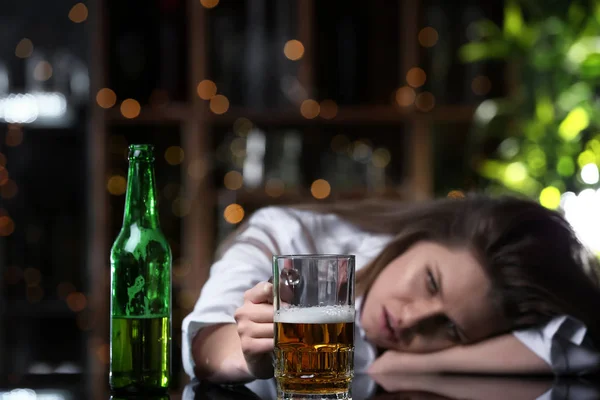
(314, 325)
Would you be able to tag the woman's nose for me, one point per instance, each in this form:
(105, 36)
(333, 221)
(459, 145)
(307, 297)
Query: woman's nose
(414, 313)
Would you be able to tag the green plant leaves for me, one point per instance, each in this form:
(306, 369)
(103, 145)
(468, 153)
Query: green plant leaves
(590, 67)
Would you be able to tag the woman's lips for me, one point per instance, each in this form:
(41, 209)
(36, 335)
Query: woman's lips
(386, 327)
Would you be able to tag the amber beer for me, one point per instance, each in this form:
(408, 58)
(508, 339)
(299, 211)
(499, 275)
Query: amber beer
(314, 349)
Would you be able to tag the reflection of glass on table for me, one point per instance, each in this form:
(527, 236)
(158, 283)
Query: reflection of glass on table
(314, 324)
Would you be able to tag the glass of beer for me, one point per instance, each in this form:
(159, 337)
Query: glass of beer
(314, 325)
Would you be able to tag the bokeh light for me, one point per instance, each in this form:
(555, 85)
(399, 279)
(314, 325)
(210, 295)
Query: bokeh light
(586, 157)
(24, 48)
(310, 109)
(106, 98)
(456, 194)
(550, 197)
(219, 104)
(78, 13)
(416, 77)
(181, 268)
(3, 176)
(425, 102)
(381, 157)
(181, 207)
(14, 136)
(209, 3)
(293, 49)
(116, 185)
(328, 109)
(233, 180)
(7, 225)
(405, 96)
(234, 213)
(42, 71)
(9, 190)
(32, 276)
(206, 89)
(130, 108)
(590, 174)
(576, 120)
(76, 301)
(174, 155)
(34, 294)
(103, 353)
(320, 189)
(242, 126)
(428, 36)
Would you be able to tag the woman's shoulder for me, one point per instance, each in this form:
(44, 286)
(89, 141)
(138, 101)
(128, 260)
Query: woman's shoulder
(289, 216)
(322, 231)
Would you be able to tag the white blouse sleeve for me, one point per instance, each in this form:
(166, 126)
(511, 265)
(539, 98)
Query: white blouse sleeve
(564, 344)
(247, 262)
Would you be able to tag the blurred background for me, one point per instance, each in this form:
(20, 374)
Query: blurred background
(258, 102)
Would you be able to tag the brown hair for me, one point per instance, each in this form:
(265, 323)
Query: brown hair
(537, 266)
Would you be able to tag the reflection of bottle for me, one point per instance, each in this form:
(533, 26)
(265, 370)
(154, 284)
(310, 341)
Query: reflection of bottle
(4, 79)
(140, 344)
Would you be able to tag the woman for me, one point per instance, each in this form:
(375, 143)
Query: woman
(485, 285)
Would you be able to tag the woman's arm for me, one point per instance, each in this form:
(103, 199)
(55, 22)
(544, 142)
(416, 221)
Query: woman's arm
(503, 354)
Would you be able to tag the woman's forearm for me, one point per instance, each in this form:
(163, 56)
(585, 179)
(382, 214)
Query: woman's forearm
(500, 355)
(503, 354)
(218, 356)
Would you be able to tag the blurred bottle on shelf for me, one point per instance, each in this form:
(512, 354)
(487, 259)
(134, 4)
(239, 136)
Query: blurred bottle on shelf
(284, 157)
(254, 164)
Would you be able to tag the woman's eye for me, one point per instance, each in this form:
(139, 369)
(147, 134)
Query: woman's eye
(431, 283)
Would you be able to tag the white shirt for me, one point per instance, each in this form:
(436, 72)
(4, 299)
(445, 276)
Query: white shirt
(563, 343)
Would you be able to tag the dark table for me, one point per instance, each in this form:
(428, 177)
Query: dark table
(406, 387)
(418, 387)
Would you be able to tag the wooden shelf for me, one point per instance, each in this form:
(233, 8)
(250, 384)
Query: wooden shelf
(367, 114)
(258, 197)
(171, 113)
(372, 115)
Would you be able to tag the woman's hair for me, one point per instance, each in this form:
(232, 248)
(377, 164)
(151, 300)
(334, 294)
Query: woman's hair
(537, 266)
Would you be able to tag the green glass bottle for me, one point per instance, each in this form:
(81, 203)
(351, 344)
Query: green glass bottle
(140, 345)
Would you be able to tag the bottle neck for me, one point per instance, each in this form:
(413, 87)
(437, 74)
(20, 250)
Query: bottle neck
(140, 203)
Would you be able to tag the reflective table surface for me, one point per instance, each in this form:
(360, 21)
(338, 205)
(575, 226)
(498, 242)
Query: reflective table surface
(416, 387)
(396, 387)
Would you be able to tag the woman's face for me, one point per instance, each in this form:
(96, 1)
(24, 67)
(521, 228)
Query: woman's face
(429, 298)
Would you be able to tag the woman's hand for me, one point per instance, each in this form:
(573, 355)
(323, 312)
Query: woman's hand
(254, 320)
(395, 362)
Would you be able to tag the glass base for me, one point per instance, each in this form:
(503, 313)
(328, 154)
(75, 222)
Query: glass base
(314, 396)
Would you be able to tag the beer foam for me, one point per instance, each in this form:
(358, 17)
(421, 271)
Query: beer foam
(315, 315)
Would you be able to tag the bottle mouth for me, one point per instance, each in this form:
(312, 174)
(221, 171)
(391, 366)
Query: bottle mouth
(143, 152)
